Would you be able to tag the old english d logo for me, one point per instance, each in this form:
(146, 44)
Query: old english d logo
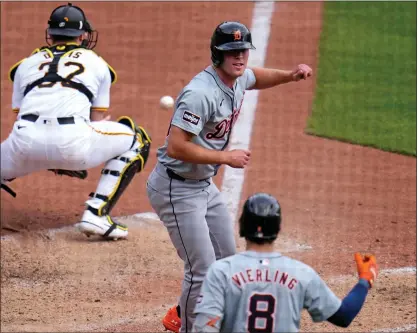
(237, 35)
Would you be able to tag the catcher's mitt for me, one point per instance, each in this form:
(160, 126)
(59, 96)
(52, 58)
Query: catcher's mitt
(77, 174)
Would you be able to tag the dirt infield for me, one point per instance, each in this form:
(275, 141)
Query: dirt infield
(337, 198)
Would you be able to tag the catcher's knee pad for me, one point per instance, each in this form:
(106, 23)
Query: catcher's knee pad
(142, 140)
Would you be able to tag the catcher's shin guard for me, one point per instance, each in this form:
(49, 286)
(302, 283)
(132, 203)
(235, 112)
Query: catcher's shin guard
(119, 172)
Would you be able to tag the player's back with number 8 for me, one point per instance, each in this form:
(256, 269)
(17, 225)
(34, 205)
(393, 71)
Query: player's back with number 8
(260, 290)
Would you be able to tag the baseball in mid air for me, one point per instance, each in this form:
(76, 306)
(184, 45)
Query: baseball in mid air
(166, 102)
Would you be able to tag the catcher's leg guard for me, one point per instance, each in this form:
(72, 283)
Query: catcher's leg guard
(120, 181)
(119, 172)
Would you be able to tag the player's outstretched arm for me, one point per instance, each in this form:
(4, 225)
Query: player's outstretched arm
(269, 77)
(353, 302)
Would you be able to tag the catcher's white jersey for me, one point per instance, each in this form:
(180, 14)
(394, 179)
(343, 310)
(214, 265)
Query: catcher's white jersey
(50, 99)
(53, 128)
(263, 292)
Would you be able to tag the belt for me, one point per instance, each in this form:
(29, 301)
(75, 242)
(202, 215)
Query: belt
(173, 175)
(62, 121)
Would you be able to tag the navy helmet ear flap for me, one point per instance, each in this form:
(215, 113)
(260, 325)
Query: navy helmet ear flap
(217, 57)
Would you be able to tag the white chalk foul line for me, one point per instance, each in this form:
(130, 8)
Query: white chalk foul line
(408, 327)
(386, 271)
(240, 137)
(241, 134)
(401, 270)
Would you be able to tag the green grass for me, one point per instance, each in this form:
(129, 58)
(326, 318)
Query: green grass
(366, 85)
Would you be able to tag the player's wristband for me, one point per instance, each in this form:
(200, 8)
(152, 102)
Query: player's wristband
(364, 282)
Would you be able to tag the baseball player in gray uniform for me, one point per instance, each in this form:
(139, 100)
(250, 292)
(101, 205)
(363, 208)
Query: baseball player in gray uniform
(260, 290)
(180, 188)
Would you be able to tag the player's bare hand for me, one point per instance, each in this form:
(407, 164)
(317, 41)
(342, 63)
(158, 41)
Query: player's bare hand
(238, 158)
(302, 71)
(367, 267)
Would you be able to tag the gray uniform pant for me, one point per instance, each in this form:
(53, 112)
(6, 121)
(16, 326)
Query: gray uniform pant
(199, 226)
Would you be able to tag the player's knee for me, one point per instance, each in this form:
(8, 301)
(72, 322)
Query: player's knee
(202, 266)
(141, 141)
(142, 135)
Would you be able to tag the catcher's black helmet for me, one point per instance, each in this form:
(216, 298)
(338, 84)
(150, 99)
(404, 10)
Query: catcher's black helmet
(261, 218)
(229, 36)
(70, 21)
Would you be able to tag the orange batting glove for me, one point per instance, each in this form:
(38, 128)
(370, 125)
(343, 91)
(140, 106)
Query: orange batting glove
(366, 267)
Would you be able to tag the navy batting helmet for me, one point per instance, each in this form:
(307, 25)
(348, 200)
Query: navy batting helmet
(261, 218)
(229, 36)
(70, 21)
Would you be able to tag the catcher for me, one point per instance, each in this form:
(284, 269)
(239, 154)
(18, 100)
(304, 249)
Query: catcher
(61, 94)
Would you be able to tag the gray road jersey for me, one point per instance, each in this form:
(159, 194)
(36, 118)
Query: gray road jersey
(207, 108)
(264, 291)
